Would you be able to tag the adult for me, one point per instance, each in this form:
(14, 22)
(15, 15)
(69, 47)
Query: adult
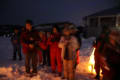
(28, 41)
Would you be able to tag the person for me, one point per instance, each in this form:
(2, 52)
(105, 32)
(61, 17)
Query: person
(28, 41)
(48, 49)
(99, 45)
(75, 32)
(97, 55)
(43, 48)
(55, 51)
(69, 45)
(15, 39)
(110, 56)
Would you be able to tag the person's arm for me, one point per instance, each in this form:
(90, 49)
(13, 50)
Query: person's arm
(75, 46)
(75, 43)
(22, 37)
(49, 42)
(61, 43)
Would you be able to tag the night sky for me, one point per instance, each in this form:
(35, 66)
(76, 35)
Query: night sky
(46, 11)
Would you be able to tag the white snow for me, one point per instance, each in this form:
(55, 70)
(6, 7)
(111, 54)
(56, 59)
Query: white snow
(14, 70)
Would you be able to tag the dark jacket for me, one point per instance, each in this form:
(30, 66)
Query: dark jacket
(15, 39)
(26, 40)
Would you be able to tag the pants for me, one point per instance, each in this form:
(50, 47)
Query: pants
(48, 56)
(69, 70)
(40, 57)
(31, 58)
(97, 63)
(44, 57)
(17, 50)
(55, 56)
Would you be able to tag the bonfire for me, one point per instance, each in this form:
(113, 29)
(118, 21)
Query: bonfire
(92, 63)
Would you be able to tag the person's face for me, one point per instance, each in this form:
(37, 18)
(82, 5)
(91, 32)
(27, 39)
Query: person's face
(41, 34)
(28, 26)
(66, 32)
(54, 30)
(16, 31)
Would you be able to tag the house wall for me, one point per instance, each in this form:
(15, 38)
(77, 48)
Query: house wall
(119, 21)
(108, 21)
(97, 23)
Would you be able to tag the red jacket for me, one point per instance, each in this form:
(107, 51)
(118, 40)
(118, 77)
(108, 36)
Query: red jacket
(42, 43)
(53, 40)
(78, 58)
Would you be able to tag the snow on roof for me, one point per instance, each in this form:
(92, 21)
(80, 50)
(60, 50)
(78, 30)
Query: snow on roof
(106, 12)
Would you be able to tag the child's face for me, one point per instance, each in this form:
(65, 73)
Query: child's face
(54, 30)
(66, 32)
(40, 34)
(16, 31)
(28, 26)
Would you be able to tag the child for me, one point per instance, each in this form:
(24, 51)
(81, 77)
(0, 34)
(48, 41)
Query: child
(42, 48)
(69, 45)
(55, 51)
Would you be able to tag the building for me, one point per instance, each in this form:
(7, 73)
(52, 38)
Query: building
(96, 22)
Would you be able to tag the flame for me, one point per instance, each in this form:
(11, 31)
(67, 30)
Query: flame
(92, 63)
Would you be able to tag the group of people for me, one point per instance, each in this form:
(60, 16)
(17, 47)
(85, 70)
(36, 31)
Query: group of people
(59, 50)
(107, 54)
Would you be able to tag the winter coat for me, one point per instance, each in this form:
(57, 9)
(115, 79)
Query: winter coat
(42, 43)
(112, 57)
(53, 41)
(25, 41)
(15, 39)
(72, 48)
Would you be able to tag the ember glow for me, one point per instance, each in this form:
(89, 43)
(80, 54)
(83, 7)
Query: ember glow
(92, 63)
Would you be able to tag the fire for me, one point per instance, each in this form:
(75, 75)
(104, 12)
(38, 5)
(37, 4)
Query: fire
(92, 63)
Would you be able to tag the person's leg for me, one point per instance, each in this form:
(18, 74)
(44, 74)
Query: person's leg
(65, 68)
(48, 56)
(44, 57)
(52, 55)
(14, 52)
(34, 62)
(97, 66)
(27, 62)
(71, 70)
(19, 52)
(59, 62)
(40, 57)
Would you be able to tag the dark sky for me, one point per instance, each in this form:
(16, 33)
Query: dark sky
(44, 11)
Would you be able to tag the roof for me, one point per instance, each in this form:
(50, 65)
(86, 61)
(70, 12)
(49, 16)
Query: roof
(56, 23)
(106, 12)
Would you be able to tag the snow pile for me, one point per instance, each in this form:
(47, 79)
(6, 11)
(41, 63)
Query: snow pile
(14, 70)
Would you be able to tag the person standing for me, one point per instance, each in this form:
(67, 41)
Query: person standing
(42, 48)
(15, 39)
(28, 41)
(48, 49)
(110, 55)
(69, 45)
(55, 51)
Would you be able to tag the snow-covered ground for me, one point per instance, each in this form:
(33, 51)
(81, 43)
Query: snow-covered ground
(14, 70)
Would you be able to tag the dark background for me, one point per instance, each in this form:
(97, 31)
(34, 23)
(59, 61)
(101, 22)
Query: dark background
(46, 11)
